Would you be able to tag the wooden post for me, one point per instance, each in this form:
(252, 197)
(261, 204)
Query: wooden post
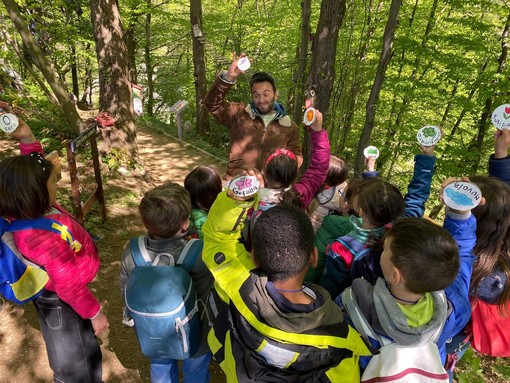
(81, 209)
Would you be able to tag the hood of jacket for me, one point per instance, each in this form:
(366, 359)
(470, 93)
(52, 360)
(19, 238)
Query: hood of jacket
(281, 115)
(327, 314)
(394, 322)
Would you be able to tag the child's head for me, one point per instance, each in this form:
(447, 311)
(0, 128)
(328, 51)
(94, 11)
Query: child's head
(492, 247)
(165, 210)
(378, 201)
(27, 186)
(283, 242)
(421, 254)
(338, 171)
(203, 185)
(280, 169)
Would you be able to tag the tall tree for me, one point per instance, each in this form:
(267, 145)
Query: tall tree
(302, 54)
(44, 66)
(149, 66)
(322, 65)
(384, 58)
(199, 66)
(115, 95)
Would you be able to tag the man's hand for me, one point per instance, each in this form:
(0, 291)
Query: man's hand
(234, 72)
(501, 143)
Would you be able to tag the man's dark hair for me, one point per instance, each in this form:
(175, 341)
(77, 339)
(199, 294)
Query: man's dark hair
(262, 77)
(282, 241)
(425, 253)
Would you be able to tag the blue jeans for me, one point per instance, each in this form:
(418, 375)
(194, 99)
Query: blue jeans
(194, 370)
(73, 351)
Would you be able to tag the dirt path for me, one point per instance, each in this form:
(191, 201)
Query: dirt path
(23, 355)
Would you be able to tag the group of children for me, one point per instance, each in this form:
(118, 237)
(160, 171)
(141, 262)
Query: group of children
(279, 309)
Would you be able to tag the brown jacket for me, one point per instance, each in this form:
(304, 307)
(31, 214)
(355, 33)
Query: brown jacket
(250, 141)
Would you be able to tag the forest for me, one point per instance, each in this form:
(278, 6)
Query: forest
(382, 70)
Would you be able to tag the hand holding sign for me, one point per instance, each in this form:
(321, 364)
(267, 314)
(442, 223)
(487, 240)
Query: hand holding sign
(244, 63)
(429, 135)
(461, 196)
(371, 152)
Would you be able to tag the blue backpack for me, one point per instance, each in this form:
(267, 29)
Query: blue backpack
(162, 301)
(366, 263)
(22, 281)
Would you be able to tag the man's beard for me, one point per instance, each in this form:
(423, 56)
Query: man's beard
(268, 108)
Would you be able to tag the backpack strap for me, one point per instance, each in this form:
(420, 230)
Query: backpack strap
(359, 321)
(139, 252)
(49, 224)
(354, 246)
(194, 249)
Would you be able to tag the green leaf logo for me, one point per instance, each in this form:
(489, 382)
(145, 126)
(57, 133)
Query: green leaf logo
(429, 132)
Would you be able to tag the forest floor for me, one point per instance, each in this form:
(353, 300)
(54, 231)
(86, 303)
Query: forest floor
(23, 356)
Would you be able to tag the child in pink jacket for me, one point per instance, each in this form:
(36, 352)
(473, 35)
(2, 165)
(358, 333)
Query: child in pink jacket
(69, 314)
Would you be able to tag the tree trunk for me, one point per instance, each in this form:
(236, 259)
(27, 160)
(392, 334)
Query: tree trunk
(28, 66)
(149, 68)
(74, 72)
(115, 95)
(322, 67)
(67, 105)
(199, 66)
(384, 59)
(302, 54)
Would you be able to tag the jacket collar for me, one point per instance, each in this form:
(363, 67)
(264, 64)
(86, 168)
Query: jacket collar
(281, 115)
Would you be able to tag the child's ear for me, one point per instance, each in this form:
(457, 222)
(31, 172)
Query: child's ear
(185, 226)
(314, 258)
(396, 276)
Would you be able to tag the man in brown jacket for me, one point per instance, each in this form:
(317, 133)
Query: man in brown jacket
(256, 129)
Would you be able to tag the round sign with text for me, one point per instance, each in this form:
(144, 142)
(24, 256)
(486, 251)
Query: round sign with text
(462, 196)
(244, 63)
(429, 135)
(501, 117)
(244, 186)
(9, 122)
(371, 152)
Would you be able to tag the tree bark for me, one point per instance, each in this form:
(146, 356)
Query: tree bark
(322, 66)
(199, 66)
(302, 54)
(61, 93)
(149, 68)
(115, 96)
(386, 53)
